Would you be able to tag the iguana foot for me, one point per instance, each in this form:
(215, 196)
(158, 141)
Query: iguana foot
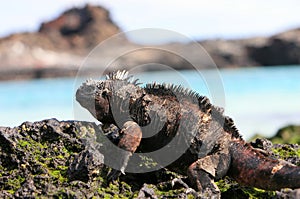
(130, 138)
(203, 172)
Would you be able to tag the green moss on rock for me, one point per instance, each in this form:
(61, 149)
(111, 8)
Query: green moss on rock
(52, 159)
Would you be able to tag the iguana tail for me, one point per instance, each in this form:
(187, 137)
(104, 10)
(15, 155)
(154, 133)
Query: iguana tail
(252, 167)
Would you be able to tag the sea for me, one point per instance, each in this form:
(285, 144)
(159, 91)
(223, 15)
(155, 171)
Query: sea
(259, 99)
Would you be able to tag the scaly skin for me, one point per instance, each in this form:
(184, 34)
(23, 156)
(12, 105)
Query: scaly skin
(214, 145)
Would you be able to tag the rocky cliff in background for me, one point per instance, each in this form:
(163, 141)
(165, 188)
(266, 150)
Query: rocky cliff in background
(79, 28)
(280, 49)
(59, 47)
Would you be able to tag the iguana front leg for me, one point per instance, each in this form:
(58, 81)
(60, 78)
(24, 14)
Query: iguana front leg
(130, 138)
(203, 172)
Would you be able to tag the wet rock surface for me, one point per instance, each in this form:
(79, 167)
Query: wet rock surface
(66, 159)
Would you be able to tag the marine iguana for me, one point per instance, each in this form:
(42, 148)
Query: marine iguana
(214, 149)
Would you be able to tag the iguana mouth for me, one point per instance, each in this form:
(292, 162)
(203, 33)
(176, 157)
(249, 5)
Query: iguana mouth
(85, 96)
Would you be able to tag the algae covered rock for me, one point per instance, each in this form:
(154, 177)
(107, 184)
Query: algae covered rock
(64, 159)
(48, 158)
(67, 159)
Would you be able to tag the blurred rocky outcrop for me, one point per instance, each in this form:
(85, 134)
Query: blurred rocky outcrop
(60, 43)
(233, 53)
(79, 28)
(280, 49)
(60, 46)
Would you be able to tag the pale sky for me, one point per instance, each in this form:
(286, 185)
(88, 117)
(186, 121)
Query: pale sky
(194, 18)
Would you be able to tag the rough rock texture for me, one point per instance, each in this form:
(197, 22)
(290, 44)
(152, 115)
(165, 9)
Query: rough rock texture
(48, 158)
(53, 159)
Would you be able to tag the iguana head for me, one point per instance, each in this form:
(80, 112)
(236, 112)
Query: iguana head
(93, 95)
(98, 96)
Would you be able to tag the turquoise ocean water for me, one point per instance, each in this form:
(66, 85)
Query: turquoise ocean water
(260, 100)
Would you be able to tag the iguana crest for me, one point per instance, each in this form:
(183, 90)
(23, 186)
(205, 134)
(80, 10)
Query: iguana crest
(215, 147)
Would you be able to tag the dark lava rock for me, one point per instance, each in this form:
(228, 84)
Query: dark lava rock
(47, 158)
(147, 192)
(288, 152)
(67, 159)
